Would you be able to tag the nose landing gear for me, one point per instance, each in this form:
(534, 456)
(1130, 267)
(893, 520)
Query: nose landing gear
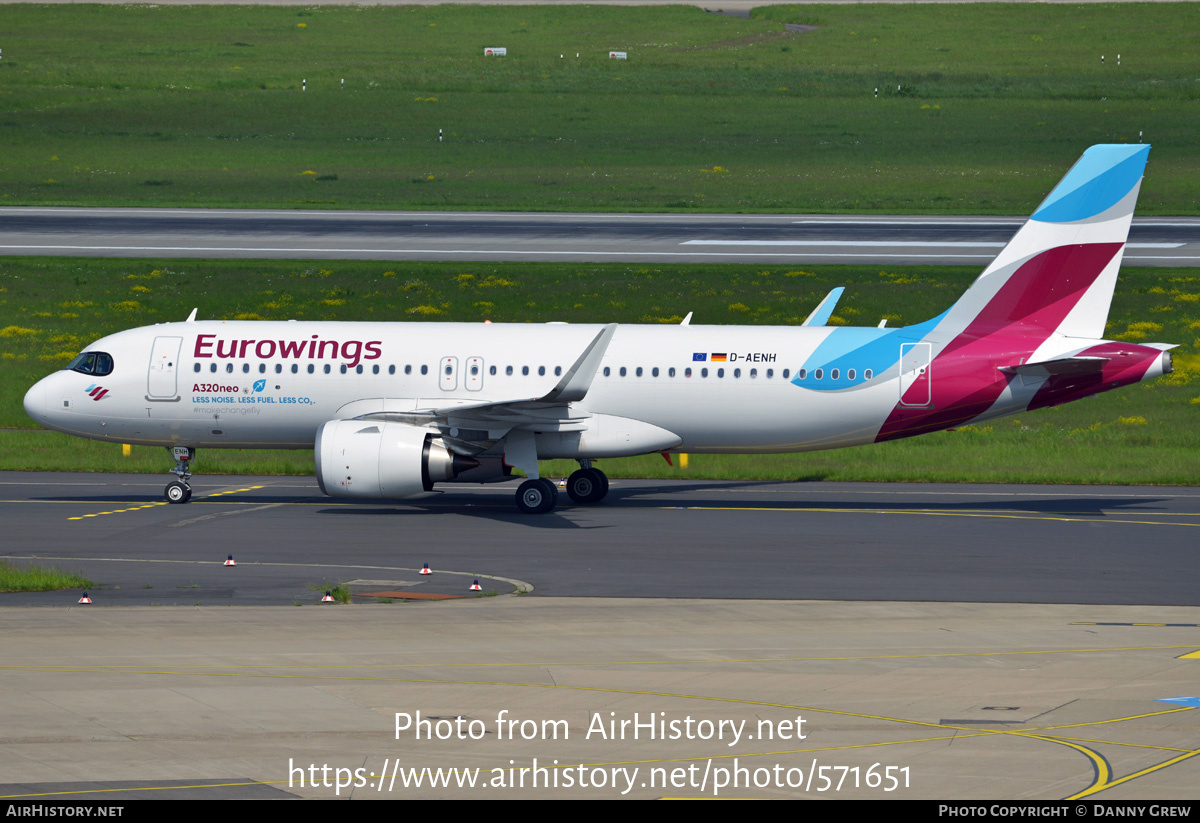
(179, 491)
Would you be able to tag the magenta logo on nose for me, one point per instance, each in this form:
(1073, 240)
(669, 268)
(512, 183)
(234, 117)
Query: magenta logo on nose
(96, 392)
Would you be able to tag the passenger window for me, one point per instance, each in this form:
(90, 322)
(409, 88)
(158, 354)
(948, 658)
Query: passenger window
(229, 368)
(311, 368)
(541, 371)
(833, 375)
(654, 372)
(671, 372)
(607, 371)
(343, 368)
(639, 371)
(525, 371)
(720, 372)
(212, 367)
(754, 372)
(737, 372)
(492, 371)
(770, 373)
(557, 371)
(687, 372)
(787, 372)
(819, 373)
(358, 369)
(327, 368)
(424, 370)
(392, 369)
(867, 374)
(295, 368)
(622, 371)
(374, 369)
(704, 372)
(262, 368)
(196, 367)
(802, 374)
(245, 368)
(850, 374)
(279, 368)
(508, 371)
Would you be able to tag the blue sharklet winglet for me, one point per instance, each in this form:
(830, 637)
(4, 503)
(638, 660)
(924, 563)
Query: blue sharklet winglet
(824, 310)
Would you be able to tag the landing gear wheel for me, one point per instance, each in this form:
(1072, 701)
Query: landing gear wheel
(177, 492)
(587, 486)
(536, 496)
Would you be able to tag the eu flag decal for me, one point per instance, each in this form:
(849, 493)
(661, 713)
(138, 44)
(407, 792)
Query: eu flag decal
(700, 357)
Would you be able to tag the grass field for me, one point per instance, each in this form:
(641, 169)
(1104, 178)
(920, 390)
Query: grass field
(980, 106)
(1141, 434)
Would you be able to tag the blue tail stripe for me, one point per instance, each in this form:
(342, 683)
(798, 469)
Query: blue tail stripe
(859, 349)
(1103, 176)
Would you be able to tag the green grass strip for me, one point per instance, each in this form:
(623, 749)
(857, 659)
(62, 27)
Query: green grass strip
(52, 308)
(35, 578)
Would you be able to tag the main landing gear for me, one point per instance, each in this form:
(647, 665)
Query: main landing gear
(586, 487)
(537, 496)
(180, 491)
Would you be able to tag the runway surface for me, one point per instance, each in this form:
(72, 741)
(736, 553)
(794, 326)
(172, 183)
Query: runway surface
(785, 239)
(707, 539)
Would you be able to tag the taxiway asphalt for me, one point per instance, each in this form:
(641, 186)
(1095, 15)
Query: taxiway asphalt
(681, 538)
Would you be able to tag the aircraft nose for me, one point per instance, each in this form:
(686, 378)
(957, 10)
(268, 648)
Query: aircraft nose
(35, 401)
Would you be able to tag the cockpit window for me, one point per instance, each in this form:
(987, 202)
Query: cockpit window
(92, 362)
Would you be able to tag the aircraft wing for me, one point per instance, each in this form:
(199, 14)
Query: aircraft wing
(550, 412)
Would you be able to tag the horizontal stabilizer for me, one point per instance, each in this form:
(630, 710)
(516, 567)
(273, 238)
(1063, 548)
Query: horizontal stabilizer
(1063, 365)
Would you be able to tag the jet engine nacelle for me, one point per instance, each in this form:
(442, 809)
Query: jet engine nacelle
(363, 458)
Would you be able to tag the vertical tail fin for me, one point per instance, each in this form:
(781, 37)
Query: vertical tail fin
(1058, 272)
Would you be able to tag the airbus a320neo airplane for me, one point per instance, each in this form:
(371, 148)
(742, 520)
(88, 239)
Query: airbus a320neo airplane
(393, 408)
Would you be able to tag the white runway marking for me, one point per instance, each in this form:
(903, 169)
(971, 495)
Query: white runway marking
(871, 244)
(949, 244)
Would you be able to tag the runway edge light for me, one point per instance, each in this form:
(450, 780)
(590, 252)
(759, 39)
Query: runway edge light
(85, 598)
(475, 587)
(328, 598)
(425, 569)
(230, 561)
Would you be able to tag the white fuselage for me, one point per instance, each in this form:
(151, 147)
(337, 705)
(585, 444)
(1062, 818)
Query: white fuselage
(254, 384)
